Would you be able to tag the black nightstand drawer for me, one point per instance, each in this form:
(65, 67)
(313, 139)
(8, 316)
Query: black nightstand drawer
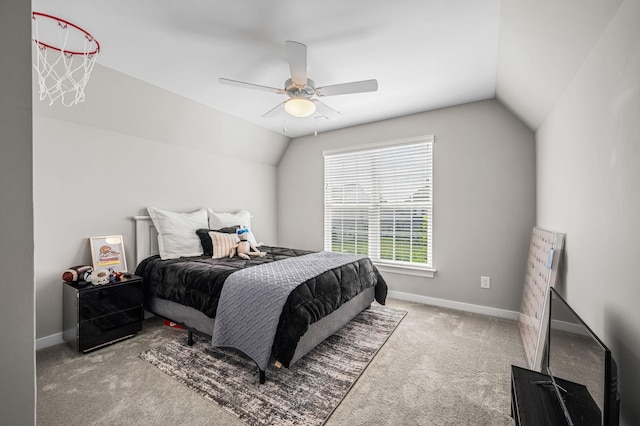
(100, 301)
(98, 331)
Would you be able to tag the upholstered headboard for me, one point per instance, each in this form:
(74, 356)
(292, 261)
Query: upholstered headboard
(146, 238)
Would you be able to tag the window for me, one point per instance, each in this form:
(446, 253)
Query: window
(378, 202)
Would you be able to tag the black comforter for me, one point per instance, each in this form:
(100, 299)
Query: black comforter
(197, 282)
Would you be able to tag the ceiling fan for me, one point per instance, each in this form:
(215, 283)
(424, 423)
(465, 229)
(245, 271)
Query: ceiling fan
(301, 90)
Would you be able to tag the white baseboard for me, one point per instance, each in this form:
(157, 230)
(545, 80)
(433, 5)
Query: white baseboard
(56, 339)
(451, 304)
(45, 342)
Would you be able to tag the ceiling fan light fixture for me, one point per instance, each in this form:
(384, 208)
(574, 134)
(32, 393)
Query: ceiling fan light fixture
(300, 107)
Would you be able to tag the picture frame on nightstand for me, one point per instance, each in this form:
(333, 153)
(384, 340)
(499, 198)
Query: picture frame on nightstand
(107, 252)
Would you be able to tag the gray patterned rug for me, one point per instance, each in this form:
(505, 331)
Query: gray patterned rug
(305, 394)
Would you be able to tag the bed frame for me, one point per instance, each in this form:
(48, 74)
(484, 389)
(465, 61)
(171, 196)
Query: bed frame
(195, 321)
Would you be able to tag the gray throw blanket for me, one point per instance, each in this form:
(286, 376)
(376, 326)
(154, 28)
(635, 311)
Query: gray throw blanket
(252, 300)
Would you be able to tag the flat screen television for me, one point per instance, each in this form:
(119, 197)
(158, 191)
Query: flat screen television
(582, 370)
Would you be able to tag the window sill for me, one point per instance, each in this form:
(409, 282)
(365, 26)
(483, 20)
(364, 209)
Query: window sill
(406, 270)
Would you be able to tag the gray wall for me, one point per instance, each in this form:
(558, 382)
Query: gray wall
(542, 45)
(588, 168)
(17, 355)
(484, 198)
(128, 146)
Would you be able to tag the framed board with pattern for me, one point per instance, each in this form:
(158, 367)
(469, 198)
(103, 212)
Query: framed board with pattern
(545, 250)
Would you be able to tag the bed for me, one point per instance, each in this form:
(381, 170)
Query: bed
(194, 291)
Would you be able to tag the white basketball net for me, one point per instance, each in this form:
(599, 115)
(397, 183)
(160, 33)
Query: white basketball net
(64, 60)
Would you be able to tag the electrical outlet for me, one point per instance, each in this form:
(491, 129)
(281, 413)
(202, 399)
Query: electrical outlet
(485, 282)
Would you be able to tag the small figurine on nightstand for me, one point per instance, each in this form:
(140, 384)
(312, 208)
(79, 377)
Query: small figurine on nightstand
(100, 276)
(116, 276)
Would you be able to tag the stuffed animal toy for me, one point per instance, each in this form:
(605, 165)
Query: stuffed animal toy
(100, 276)
(245, 248)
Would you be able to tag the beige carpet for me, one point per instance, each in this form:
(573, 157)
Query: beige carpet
(439, 367)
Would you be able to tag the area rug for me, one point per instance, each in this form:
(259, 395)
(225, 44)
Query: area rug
(305, 394)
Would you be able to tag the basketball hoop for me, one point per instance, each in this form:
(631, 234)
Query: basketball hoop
(65, 56)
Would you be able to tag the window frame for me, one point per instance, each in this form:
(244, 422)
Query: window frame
(403, 267)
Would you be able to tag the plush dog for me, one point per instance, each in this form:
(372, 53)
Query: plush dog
(245, 248)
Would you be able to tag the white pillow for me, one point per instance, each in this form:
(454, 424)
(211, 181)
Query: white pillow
(222, 220)
(177, 232)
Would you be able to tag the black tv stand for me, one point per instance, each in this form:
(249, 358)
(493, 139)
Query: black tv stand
(534, 401)
(549, 383)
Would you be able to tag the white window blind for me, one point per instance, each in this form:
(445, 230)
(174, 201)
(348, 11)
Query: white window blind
(378, 202)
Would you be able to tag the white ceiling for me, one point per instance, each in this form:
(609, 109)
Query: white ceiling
(425, 54)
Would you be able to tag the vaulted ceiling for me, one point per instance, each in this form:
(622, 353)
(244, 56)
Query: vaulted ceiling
(424, 54)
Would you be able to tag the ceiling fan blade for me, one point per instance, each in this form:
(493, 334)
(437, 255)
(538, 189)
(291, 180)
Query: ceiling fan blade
(297, 53)
(325, 110)
(274, 111)
(346, 88)
(251, 86)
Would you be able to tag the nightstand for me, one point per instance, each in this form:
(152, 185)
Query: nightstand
(98, 315)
